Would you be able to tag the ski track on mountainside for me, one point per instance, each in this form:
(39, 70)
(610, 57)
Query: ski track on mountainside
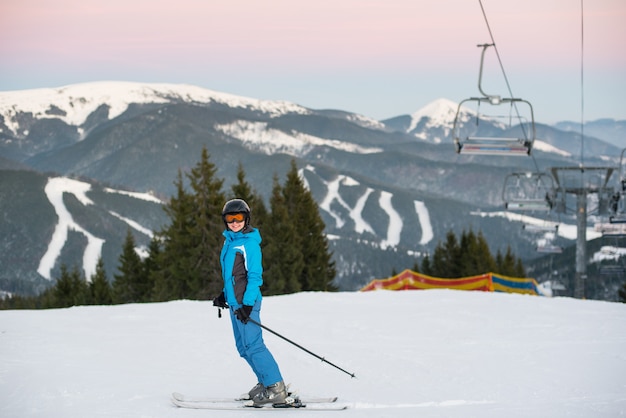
(133, 224)
(55, 188)
(395, 221)
(332, 193)
(58, 186)
(394, 230)
(424, 219)
(361, 225)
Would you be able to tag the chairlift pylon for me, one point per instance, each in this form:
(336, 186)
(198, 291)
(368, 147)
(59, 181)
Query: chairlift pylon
(518, 145)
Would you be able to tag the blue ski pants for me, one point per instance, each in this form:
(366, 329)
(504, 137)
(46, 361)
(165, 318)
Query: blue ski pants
(250, 345)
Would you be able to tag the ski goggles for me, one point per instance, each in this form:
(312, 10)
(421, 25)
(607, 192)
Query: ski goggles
(229, 218)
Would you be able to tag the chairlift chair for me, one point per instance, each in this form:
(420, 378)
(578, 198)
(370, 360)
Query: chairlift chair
(545, 227)
(617, 219)
(611, 250)
(520, 145)
(528, 191)
(548, 246)
(611, 229)
(550, 249)
(612, 270)
(617, 202)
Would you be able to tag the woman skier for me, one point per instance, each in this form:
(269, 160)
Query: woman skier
(242, 271)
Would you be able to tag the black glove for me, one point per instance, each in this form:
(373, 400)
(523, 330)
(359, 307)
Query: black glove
(243, 313)
(220, 301)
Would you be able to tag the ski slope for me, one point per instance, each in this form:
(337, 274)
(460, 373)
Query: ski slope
(430, 353)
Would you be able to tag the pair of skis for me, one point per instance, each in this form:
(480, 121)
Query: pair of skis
(317, 404)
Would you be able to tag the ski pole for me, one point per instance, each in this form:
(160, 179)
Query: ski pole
(300, 347)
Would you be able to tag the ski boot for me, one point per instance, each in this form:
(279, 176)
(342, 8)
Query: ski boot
(275, 394)
(258, 388)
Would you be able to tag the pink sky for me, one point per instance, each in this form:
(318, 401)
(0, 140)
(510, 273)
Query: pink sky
(381, 58)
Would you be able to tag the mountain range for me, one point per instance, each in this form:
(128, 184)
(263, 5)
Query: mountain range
(95, 159)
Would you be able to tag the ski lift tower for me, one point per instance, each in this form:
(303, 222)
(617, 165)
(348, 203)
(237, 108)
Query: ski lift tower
(581, 182)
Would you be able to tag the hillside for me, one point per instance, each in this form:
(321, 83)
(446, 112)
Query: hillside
(429, 353)
(388, 191)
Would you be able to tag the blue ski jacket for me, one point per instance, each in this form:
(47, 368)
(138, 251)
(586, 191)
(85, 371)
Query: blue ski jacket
(242, 267)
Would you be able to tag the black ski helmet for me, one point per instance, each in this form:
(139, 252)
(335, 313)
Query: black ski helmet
(237, 206)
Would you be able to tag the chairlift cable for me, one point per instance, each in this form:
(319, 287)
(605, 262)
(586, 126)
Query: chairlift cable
(495, 46)
(506, 79)
(582, 90)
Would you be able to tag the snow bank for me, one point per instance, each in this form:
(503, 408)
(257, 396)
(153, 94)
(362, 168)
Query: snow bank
(432, 353)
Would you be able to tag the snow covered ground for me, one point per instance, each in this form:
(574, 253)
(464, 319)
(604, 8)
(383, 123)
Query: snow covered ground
(430, 353)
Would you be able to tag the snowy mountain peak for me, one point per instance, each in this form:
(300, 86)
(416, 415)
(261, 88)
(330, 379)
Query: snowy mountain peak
(74, 103)
(440, 112)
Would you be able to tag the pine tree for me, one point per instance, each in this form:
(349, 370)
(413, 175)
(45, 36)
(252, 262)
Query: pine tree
(46, 300)
(475, 255)
(520, 271)
(151, 267)
(170, 280)
(470, 257)
(468, 254)
(209, 201)
(99, 287)
(127, 286)
(499, 262)
(446, 258)
(189, 258)
(282, 258)
(243, 190)
(426, 267)
(438, 264)
(622, 293)
(79, 287)
(318, 271)
(485, 262)
(509, 262)
(70, 289)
